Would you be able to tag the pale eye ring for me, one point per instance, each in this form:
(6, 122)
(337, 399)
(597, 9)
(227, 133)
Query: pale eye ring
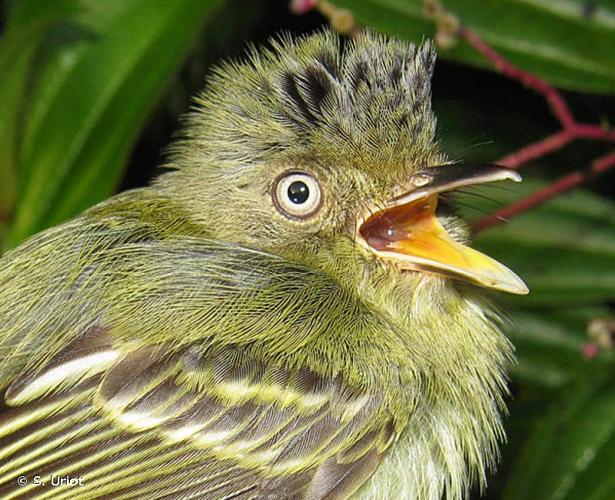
(297, 195)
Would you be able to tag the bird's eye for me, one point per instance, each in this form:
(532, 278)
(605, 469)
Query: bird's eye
(297, 195)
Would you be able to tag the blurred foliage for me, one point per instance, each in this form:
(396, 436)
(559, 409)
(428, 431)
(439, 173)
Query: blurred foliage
(82, 76)
(92, 91)
(568, 42)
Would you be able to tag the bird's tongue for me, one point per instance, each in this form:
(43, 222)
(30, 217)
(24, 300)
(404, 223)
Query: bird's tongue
(412, 235)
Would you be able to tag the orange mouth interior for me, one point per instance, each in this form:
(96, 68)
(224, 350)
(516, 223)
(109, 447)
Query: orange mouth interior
(412, 235)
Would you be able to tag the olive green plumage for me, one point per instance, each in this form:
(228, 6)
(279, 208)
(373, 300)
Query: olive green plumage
(189, 339)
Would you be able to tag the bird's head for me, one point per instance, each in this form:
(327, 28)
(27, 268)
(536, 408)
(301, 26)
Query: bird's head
(328, 155)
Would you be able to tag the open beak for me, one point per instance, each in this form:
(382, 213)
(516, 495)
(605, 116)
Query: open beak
(407, 230)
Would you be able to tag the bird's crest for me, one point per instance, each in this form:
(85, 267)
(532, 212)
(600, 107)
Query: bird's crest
(371, 90)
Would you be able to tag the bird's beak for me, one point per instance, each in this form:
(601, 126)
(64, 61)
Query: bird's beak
(407, 230)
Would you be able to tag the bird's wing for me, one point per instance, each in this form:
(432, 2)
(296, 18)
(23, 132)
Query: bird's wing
(156, 366)
(157, 423)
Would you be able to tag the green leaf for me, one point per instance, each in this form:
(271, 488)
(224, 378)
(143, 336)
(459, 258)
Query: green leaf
(549, 345)
(569, 43)
(570, 451)
(18, 58)
(97, 72)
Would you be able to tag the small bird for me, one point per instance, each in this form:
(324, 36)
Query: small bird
(286, 313)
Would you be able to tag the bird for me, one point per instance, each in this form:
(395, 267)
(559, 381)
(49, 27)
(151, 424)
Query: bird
(290, 310)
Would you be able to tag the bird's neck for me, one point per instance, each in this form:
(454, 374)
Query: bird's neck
(454, 350)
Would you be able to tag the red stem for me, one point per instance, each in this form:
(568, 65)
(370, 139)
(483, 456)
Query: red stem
(552, 95)
(536, 149)
(562, 185)
(555, 142)
(571, 130)
(302, 6)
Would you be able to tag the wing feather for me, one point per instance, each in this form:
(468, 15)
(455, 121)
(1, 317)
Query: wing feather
(87, 394)
(145, 428)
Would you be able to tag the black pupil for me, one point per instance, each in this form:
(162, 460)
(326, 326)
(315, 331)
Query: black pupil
(298, 192)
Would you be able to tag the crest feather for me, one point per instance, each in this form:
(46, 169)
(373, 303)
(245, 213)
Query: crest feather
(319, 89)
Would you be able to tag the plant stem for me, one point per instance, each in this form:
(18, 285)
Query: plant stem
(571, 130)
(558, 187)
(554, 98)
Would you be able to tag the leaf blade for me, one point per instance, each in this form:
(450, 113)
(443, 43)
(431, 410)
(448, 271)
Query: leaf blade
(91, 119)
